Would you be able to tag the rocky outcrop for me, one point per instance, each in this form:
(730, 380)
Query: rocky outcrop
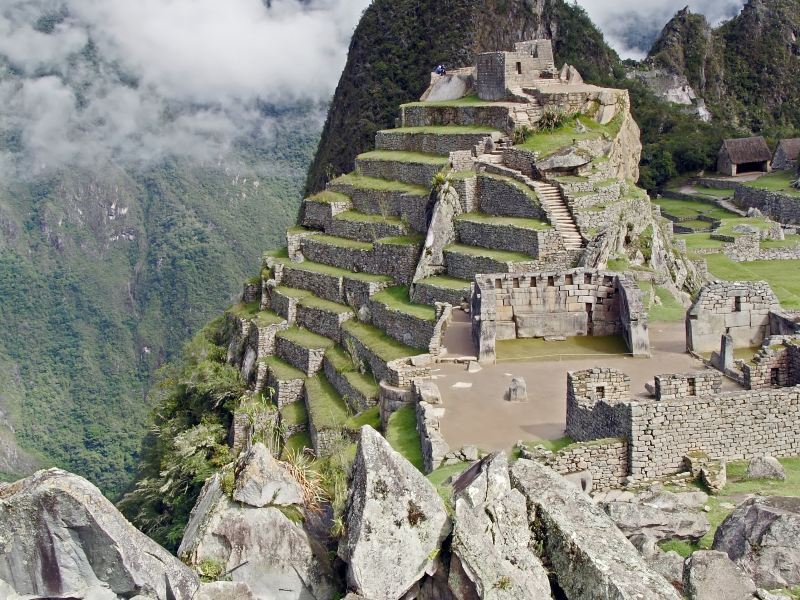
(263, 546)
(711, 575)
(61, 538)
(396, 522)
(262, 480)
(763, 537)
(589, 556)
(491, 538)
(224, 590)
(661, 515)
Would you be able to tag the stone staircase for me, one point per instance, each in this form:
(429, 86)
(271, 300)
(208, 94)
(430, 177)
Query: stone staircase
(562, 220)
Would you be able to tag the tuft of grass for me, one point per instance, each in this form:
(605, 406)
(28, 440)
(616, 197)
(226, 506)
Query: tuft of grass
(402, 435)
(397, 298)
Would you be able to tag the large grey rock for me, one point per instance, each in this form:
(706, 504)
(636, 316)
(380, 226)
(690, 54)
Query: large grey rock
(491, 537)
(563, 160)
(633, 518)
(590, 556)
(262, 480)
(518, 390)
(224, 590)
(669, 565)
(396, 522)
(268, 549)
(763, 537)
(765, 467)
(711, 575)
(60, 537)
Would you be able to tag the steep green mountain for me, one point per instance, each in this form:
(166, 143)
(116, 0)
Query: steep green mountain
(747, 69)
(102, 274)
(398, 42)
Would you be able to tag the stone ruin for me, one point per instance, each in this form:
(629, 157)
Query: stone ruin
(556, 305)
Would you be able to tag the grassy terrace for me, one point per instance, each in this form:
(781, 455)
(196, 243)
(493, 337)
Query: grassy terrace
(669, 310)
(381, 185)
(305, 338)
(700, 241)
(401, 433)
(292, 292)
(444, 130)
(790, 242)
(498, 255)
(326, 409)
(397, 298)
(340, 242)
(367, 218)
(402, 156)
(689, 209)
(294, 414)
(382, 345)
(313, 267)
(296, 443)
(371, 417)
(341, 361)
(328, 197)
(548, 142)
(726, 228)
(325, 305)
(471, 100)
(446, 283)
(265, 318)
(484, 219)
(281, 370)
(535, 349)
(401, 240)
(514, 183)
(244, 310)
(779, 181)
(782, 275)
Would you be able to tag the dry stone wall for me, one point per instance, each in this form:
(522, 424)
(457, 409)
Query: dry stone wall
(308, 360)
(605, 459)
(509, 237)
(685, 385)
(399, 170)
(502, 198)
(401, 326)
(596, 404)
(317, 213)
(322, 321)
(784, 209)
(355, 399)
(496, 116)
(411, 208)
(431, 143)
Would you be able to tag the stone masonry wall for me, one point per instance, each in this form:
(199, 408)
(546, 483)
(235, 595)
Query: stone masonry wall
(356, 401)
(773, 365)
(409, 207)
(398, 261)
(509, 237)
(322, 285)
(308, 360)
(596, 404)
(323, 322)
(503, 198)
(784, 209)
(317, 214)
(286, 390)
(364, 232)
(419, 115)
(605, 459)
(686, 385)
(434, 447)
(401, 326)
(398, 170)
(430, 143)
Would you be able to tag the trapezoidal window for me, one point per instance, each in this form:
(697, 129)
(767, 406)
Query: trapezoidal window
(498, 283)
(550, 281)
(775, 376)
(600, 392)
(737, 304)
(692, 386)
(587, 278)
(515, 282)
(533, 282)
(568, 279)
(519, 68)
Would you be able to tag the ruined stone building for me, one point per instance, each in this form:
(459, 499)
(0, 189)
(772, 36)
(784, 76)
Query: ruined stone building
(744, 155)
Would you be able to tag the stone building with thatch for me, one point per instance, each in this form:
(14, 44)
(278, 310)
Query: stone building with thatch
(744, 155)
(786, 154)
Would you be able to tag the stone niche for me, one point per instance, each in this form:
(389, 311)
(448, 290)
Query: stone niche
(557, 305)
(739, 309)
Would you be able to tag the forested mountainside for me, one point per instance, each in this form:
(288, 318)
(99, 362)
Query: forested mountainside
(747, 69)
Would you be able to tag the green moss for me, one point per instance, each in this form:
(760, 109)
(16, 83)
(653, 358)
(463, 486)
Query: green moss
(294, 414)
(326, 409)
(397, 298)
(282, 371)
(401, 433)
(402, 156)
(305, 338)
(381, 185)
(382, 345)
(328, 197)
(498, 255)
(483, 218)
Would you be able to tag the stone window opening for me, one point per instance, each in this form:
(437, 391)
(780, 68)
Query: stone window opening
(515, 282)
(775, 376)
(519, 68)
(568, 279)
(533, 282)
(692, 386)
(551, 281)
(498, 283)
(607, 280)
(587, 278)
(737, 304)
(600, 392)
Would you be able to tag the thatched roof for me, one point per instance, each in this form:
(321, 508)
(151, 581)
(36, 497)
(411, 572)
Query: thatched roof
(746, 150)
(790, 147)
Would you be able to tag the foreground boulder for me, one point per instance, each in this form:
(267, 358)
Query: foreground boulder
(662, 515)
(262, 480)
(765, 467)
(491, 538)
(589, 555)
(396, 522)
(763, 537)
(265, 547)
(61, 538)
(711, 575)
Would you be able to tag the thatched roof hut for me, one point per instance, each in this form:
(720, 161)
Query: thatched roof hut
(744, 155)
(786, 155)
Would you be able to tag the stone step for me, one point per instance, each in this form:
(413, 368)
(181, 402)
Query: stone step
(501, 233)
(359, 390)
(302, 349)
(413, 168)
(435, 139)
(365, 227)
(464, 262)
(328, 416)
(441, 288)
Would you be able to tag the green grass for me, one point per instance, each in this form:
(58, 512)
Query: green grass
(536, 348)
(381, 185)
(790, 242)
(396, 298)
(401, 433)
(296, 443)
(484, 219)
(364, 383)
(726, 228)
(326, 409)
(688, 208)
(442, 474)
(294, 414)
(340, 360)
(353, 216)
(281, 370)
(292, 292)
(402, 156)
(319, 268)
(700, 241)
(498, 255)
(341, 242)
(382, 345)
(282, 252)
(696, 225)
(328, 197)
(714, 192)
(401, 240)
(446, 283)
(265, 318)
(325, 305)
(531, 193)
(782, 275)
(371, 417)
(552, 445)
(682, 547)
(244, 310)
(546, 143)
(471, 100)
(620, 264)
(444, 129)
(778, 181)
(305, 338)
(669, 311)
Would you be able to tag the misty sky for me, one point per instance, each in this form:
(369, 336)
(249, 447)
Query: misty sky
(82, 81)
